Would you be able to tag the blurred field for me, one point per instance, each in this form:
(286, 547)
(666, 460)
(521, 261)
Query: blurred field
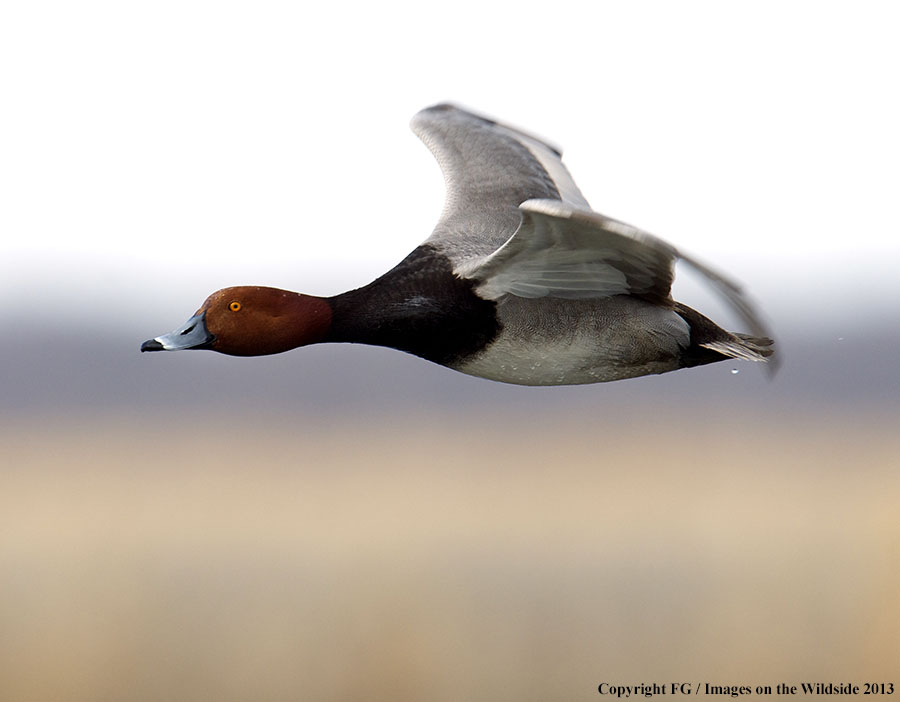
(432, 559)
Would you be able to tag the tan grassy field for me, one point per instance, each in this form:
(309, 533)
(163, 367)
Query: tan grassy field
(429, 559)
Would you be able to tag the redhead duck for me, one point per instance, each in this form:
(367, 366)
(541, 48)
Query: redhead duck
(520, 282)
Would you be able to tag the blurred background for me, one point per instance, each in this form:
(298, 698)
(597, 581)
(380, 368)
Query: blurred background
(343, 522)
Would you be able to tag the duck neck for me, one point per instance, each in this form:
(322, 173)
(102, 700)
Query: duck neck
(315, 313)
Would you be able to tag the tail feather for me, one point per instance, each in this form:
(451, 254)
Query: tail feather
(743, 346)
(710, 343)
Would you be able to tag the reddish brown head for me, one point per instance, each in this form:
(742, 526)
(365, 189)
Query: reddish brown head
(250, 321)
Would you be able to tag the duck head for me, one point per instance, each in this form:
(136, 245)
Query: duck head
(250, 321)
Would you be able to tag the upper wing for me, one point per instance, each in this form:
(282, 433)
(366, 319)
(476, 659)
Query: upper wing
(489, 170)
(561, 251)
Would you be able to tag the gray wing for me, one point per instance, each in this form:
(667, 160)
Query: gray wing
(489, 170)
(562, 251)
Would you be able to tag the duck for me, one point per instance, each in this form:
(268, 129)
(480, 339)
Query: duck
(520, 281)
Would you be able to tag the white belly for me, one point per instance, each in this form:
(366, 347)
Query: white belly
(556, 364)
(540, 350)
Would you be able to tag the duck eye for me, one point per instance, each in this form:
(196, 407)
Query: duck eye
(234, 306)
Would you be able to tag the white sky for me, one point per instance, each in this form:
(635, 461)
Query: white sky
(153, 152)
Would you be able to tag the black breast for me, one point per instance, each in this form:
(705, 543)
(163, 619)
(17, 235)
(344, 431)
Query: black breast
(420, 307)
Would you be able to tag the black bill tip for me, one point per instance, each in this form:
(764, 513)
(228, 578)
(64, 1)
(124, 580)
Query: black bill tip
(152, 345)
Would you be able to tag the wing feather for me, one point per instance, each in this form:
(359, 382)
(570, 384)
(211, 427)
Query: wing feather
(562, 251)
(489, 170)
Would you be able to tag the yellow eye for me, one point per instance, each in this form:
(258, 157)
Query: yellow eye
(234, 306)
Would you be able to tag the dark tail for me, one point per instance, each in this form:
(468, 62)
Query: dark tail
(711, 343)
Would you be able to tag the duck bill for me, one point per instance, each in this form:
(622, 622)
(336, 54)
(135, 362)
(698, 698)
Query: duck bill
(193, 334)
